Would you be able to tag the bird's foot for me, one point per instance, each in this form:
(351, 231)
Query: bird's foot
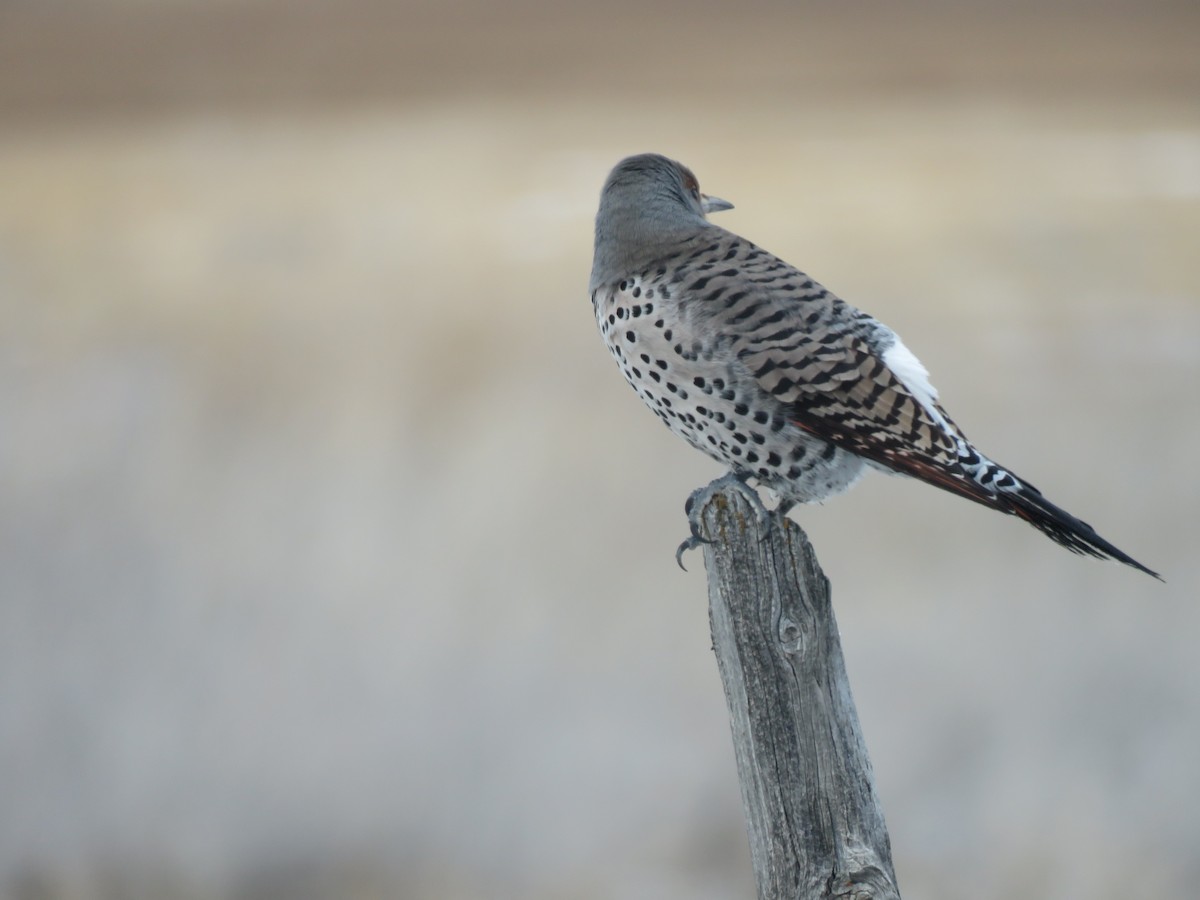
(699, 498)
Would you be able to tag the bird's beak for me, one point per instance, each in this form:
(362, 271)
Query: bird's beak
(713, 204)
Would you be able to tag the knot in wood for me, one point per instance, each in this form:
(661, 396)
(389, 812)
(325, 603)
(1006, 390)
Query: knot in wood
(791, 635)
(871, 882)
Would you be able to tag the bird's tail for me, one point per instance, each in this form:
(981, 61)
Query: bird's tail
(1059, 525)
(978, 478)
(974, 476)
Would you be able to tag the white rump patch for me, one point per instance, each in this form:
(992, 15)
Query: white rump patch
(914, 376)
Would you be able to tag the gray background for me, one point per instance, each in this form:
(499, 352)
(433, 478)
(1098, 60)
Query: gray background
(335, 556)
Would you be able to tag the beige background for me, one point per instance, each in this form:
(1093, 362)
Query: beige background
(335, 556)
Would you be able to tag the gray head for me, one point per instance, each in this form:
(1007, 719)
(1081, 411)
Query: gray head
(648, 203)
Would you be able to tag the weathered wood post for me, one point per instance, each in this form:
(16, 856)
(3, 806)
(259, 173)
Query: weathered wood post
(814, 822)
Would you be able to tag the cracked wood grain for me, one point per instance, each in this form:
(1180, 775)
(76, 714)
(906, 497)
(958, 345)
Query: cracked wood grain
(814, 822)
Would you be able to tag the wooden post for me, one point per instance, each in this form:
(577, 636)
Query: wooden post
(814, 822)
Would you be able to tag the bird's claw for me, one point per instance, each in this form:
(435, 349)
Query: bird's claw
(697, 500)
(691, 542)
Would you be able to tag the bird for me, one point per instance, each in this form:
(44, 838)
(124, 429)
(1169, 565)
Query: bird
(751, 361)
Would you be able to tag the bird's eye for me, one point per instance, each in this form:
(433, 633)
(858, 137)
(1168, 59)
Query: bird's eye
(690, 184)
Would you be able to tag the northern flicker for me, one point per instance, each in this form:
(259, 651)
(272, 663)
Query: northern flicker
(750, 360)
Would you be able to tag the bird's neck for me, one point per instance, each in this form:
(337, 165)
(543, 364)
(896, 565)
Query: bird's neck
(630, 245)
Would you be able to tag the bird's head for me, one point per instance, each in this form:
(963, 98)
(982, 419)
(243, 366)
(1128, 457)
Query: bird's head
(659, 187)
(648, 205)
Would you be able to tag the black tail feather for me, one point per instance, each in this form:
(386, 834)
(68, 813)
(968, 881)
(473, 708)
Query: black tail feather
(998, 489)
(1062, 527)
(1019, 498)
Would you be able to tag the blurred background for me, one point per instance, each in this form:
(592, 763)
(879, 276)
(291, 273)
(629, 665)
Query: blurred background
(336, 556)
